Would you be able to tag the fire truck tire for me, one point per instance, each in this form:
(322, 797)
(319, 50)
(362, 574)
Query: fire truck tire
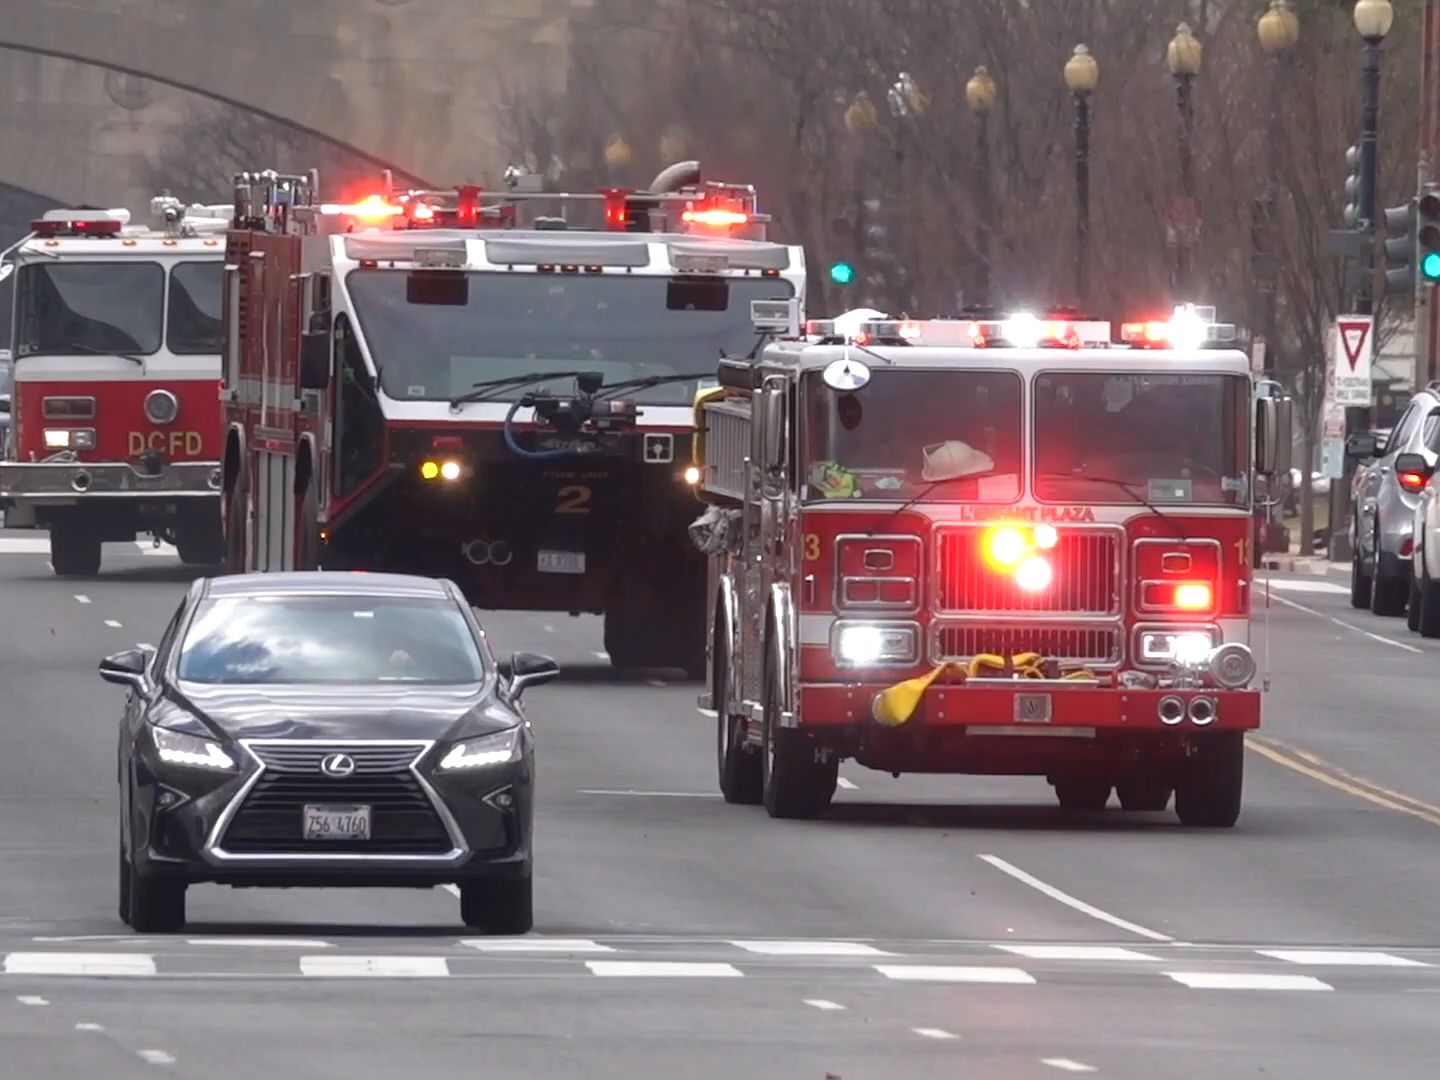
(74, 550)
(1208, 795)
(307, 540)
(1082, 794)
(740, 767)
(201, 542)
(1143, 796)
(796, 781)
(235, 527)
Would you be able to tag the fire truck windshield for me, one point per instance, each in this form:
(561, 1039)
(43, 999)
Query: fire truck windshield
(89, 307)
(1171, 438)
(628, 327)
(905, 431)
(192, 324)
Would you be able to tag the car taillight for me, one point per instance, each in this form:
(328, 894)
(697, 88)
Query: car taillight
(1412, 481)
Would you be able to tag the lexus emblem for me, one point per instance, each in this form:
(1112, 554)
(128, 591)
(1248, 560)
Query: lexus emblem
(337, 765)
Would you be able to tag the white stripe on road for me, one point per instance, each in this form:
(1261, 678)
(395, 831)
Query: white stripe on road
(17, 545)
(1067, 1065)
(82, 598)
(1069, 901)
(402, 967)
(956, 974)
(1221, 980)
(156, 1057)
(934, 1033)
(68, 963)
(661, 969)
(847, 785)
(536, 945)
(113, 623)
(1340, 958)
(31, 999)
(652, 794)
(263, 943)
(83, 1026)
(823, 1005)
(1076, 952)
(810, 948)
(1348, 626)
(1304, 585)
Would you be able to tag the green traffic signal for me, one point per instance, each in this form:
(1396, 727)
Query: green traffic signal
(842, 273)
(1430, 266)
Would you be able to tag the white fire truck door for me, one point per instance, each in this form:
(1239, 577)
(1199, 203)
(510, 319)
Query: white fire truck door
(274, 531)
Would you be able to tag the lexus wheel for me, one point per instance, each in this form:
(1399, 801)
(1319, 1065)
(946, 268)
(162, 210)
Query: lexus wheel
(154, 905)
(505, 906)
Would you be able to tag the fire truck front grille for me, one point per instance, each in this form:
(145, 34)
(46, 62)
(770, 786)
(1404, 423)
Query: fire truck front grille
(1086, 579)
(1099, 645)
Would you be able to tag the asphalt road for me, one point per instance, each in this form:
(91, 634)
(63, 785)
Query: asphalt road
(934, 927)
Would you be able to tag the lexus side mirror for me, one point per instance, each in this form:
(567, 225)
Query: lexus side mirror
(315, 360)
(1362, 446)
(125, 668)
(1414, 463)
(530, 669)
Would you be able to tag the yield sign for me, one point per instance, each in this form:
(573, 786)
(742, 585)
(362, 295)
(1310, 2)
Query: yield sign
(1351, 361)
(1354, 336)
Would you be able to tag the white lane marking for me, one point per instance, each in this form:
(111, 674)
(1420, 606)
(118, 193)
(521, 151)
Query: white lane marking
(662, 969)
(148, 548)
(43, 963)
(959, 974)
(400, 967)
(115, 623)
(847, 785)
(1340, 958)
(1067, 1065)
(652, 794)
(536, 945)
(657, 682)
(1348, 626)
(82, 598)
(810, 948)
(263, 943)
(1302, 585)
(17, 545)
(823, 1005)
(88, 1027)
(31, 999)
(934, 1033)
(549, 629)
(601, 655)
(452, 889)
(1240, 980)
(156, 1057)
(1069, 901)
(1076, 952)
(144, 645)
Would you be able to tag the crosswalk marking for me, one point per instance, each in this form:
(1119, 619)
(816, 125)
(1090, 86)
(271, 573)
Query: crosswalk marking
(810, 948)
(1221, 980)
(955, 973)
(66, 963)
(1340, 958)
(1076, 952)
(1306, 585)
(662, 968)
(536, 945)
(333, 966)
(40, 545)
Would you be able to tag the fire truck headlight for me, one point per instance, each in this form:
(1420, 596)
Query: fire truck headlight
(1184, 647)
(1190, 650)
(450, 470)
(70, 438)
(1006, 546)
(692, 475)
(161, 406)
(1232, 666)
(863, 644)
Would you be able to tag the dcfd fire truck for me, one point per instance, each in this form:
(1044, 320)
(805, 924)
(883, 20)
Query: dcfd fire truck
(448, 383)
(1010, 546)
(116, 343)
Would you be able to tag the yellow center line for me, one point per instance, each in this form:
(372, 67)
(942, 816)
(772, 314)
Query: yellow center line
(1351, 785)
(1336, 770)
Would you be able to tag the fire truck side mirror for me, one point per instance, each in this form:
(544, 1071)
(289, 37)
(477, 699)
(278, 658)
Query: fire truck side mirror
(771, 403)
(1274, 434)
(738, 375)
(315, 360)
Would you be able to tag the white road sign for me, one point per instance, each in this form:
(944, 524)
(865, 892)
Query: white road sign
(1354, 341)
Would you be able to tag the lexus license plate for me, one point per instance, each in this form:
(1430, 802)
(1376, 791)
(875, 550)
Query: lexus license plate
(337, 823)
(561, 562)
(1032, 708)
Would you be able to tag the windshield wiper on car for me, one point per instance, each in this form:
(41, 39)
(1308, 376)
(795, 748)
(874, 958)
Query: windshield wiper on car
(87, 350)
(481, 390)
(919, 495)
(1129, 488)
(645, 382)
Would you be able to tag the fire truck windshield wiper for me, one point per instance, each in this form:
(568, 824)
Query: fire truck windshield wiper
(88, 351)
(481, 390)
(917, 497)
(646, 382)
(1131, 489)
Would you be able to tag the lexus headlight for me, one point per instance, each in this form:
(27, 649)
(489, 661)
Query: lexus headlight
(177, 748)
(498, 749)
(862, 644)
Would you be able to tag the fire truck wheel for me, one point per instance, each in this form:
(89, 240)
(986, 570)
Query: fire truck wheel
(1143, 795)
(499, 907)
(200, 542)
(796, 781)
(1209, 791)
(235, 527)
(74, 550)
(307, 539)
(740, 767)
(1082, 794)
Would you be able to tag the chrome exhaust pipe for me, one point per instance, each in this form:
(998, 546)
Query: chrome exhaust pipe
(80, 481)
(1171, 710)
(500, 553)
(1202, 711)
(477, 551)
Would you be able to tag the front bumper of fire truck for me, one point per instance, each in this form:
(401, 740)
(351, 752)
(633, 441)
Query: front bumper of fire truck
(65, 482)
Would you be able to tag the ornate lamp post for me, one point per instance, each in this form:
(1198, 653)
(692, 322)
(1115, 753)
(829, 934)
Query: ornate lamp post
(980, 96)
(1082, 75)
(1183, 58)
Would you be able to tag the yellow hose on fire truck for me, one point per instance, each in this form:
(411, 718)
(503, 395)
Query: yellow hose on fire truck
(895, 705)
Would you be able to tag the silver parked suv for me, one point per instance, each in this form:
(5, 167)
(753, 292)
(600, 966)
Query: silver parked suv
(1382, 520)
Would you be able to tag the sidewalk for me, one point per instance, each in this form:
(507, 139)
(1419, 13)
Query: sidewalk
(1292, 562)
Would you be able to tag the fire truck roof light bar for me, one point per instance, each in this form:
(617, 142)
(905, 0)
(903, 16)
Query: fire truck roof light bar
(81, 223)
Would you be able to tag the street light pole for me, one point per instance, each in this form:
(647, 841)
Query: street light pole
(1279, 31)
(980, 96)
(1082, 74)
(1183, 57)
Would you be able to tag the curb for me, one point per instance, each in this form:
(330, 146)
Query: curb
(1297, 564)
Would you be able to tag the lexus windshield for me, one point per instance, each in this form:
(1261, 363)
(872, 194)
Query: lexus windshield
(508, 324)
(947, 435)
(1165, 438)
(95, 307)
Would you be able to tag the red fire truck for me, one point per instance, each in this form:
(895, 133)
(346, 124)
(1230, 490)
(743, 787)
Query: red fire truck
(449, 383)
(997, 546)
(116, 345)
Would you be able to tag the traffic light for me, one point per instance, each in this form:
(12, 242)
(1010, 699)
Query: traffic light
(1352, 187)
(842, 273)
(1427, 234)
(1399, 241)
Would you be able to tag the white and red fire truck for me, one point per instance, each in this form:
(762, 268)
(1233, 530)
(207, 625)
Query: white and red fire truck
(999, 546)
(446, 383)
(116, 360)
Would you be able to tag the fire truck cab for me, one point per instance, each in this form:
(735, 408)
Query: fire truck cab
(116, 361)
(453, 384)
(994, 546)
